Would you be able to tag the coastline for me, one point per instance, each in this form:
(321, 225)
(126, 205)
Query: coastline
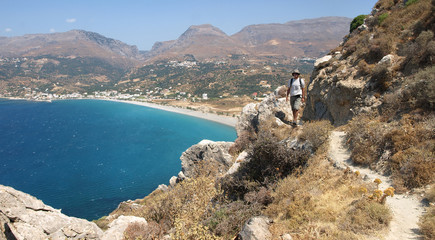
(229, 121)
(226, 120)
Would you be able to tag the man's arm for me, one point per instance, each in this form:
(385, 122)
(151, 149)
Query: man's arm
(303, 94)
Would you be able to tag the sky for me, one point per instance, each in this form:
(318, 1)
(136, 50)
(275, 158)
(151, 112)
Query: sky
(144, 22)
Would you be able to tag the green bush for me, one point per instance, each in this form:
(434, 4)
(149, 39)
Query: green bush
(382, 17)
(356, 22)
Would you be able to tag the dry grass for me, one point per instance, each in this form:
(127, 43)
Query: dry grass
(316, 132)
(317, 203)
(427, 223)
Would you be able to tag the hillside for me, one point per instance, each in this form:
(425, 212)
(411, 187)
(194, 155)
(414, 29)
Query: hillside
(304, 38)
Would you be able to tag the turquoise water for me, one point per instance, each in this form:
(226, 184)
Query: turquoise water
(86, 156)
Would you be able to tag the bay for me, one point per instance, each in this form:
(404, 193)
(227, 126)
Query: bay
(86, 156)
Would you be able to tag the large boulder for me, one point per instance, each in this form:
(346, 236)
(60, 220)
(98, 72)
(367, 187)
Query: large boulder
(23, 216)
(215, 153)
(273, 106)
(256, 228)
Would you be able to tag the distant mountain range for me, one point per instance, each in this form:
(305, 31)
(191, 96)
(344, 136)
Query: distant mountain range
(78, 59)
(304, 38)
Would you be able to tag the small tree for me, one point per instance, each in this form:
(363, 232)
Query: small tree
(356, 22)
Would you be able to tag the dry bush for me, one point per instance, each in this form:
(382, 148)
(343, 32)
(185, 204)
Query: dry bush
(418, 168)
(427, 223)
(367, 216)
(228, 219)
(364, 68)
(430, 194)
(136, 231)
(420, 90)
(378, 48)
(268, 161)
(366, 138)
(242, 142)
(419, 53)
(316, 132)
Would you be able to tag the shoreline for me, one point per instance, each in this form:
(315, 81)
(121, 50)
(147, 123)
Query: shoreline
(229, 121)
(225, 120)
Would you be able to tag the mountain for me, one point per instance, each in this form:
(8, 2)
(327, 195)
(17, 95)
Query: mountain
(74, 43)
(304, 38)
(202, 41)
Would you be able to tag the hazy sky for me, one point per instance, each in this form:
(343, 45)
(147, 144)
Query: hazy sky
(143, 22)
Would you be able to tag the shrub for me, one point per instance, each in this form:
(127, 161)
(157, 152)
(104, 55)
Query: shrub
(409, 2)
(419, 53)
(228, 219)
(382, 18)
(427, 224)
(268, 160)
(382, 77)
(418, 167)
(356, 22)
(136, 231)
(366, 138)
(420, 91)
(316, 132)
(242, 142)
(367, 216)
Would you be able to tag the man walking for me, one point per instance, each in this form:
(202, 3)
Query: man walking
(296, 89)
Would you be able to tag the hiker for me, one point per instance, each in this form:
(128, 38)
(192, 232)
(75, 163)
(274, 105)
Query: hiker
(296, 89)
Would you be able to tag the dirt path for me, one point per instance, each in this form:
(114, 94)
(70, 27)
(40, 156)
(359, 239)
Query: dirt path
(406, 209)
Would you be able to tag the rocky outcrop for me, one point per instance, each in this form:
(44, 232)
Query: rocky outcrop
(24, 217)
(340, 90)
(214, 152)
(118, 226)
(256, 228)
(272, 107)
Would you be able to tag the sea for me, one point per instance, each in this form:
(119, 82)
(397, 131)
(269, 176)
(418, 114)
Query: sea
(86, 156)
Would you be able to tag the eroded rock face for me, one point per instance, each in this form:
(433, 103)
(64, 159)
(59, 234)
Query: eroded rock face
(273, 106)
(338, 90)
(206, 150)
(118, 226)
(23, 216)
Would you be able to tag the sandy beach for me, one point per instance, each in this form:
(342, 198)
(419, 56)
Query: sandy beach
(230, 121)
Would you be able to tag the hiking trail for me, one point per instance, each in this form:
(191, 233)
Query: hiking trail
(406, 209)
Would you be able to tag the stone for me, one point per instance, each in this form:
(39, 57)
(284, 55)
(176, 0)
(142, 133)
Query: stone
(286, 237)
(215, 153)
(322, 60)
(23, 216)
(256, 228)
(387, 59)
(163, 187)
(117, 227)
(173, 181)
(241, 158)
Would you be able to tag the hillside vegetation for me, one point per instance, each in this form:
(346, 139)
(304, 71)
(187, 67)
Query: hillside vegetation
(388, 59)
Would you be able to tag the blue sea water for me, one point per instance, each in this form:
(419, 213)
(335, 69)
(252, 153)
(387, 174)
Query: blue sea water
(86, 156)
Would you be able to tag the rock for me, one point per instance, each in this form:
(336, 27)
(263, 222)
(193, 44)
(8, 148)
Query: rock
(23, 216)
(206, 150)
(117, 227)
(162, 187)
(286, 237)
(173, 181)
(272, 106)
(256, 228)
(388, 59)
(241, 158)
(322, 60)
